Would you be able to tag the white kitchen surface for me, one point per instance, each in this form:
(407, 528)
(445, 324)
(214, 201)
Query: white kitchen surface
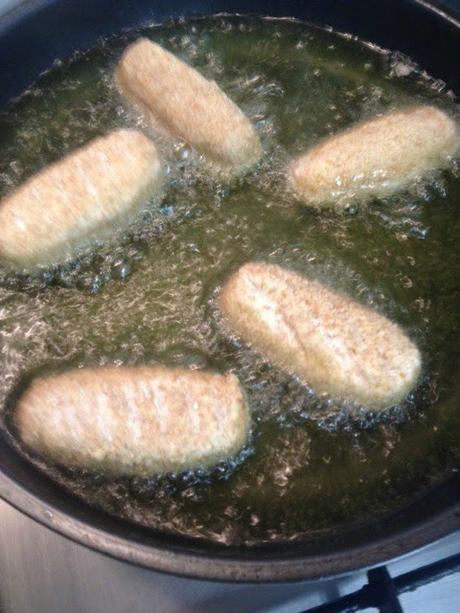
(42, 572)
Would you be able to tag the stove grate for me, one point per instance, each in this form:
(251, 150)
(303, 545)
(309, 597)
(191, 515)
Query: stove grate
(381, 591)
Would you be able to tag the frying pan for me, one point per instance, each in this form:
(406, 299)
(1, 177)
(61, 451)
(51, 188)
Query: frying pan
(38, 32)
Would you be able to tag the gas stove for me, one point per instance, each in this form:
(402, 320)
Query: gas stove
(42, 572)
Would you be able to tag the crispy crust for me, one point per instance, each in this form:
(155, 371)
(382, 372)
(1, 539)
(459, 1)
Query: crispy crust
(178, 100)
(329, 341)
(69, 203)
(375, 157)
(134, 420)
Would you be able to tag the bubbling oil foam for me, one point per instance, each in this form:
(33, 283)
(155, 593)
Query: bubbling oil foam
(148, 296)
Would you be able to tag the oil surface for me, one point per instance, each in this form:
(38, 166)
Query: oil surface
(149, 297)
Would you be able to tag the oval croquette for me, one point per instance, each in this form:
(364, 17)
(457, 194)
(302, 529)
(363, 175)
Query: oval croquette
(329, 341)
(131, 421)
(177, 100)
(78, 199)
(375, 158)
